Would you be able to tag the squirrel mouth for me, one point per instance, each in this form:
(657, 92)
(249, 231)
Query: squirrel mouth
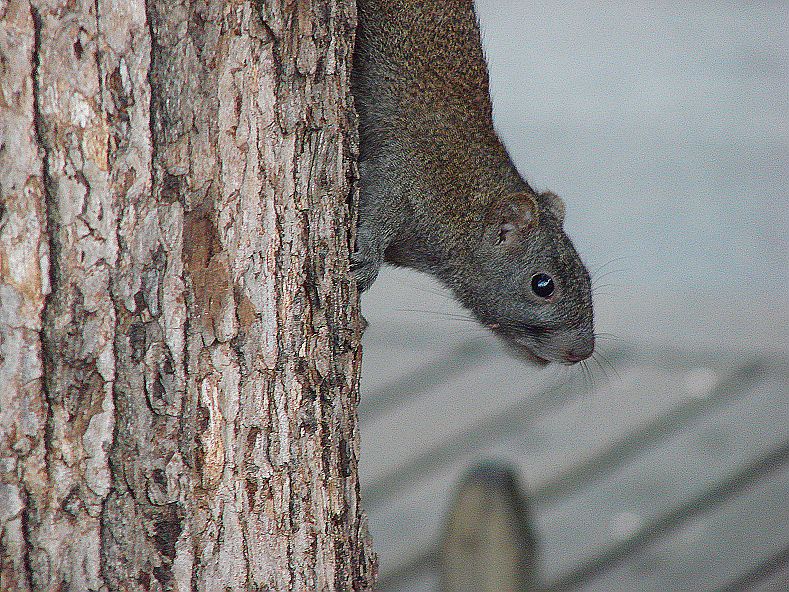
(518, 348)
(524, 352)
(532, 357)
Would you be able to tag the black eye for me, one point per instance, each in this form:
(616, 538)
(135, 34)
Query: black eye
(542, 284)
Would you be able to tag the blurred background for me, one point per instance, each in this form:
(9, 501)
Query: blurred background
(663, 125)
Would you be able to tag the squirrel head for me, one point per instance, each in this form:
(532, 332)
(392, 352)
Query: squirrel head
(533, 289)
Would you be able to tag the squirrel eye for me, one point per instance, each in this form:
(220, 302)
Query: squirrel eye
(542, 285)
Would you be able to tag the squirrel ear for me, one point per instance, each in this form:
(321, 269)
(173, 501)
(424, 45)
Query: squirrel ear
(512, 214)
(555, 204)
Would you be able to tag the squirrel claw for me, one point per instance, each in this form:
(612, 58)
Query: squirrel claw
(365, 270)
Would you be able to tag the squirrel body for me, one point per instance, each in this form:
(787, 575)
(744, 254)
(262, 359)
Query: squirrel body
(439, 192)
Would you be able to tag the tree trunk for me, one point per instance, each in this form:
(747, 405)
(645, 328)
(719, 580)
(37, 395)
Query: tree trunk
(179, 334)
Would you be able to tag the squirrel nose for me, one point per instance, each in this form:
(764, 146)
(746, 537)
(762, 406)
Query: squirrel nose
(579, 353)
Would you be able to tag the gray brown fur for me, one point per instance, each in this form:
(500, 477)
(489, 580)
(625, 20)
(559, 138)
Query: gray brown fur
(438, 189)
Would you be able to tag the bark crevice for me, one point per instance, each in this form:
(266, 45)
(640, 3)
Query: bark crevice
(31, 518)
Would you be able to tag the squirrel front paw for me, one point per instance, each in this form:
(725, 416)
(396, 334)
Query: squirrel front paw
(365, 266)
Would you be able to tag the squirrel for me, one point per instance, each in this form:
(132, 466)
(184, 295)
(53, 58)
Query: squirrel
(439, 192)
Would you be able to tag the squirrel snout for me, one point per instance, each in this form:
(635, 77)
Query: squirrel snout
(579, 353)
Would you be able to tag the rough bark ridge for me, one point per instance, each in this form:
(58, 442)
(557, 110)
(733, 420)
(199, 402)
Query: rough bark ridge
(179, 361)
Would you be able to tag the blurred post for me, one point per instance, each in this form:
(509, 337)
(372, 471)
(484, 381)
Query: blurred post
(488, 543)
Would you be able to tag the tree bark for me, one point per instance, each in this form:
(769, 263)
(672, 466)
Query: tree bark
(179, 332)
